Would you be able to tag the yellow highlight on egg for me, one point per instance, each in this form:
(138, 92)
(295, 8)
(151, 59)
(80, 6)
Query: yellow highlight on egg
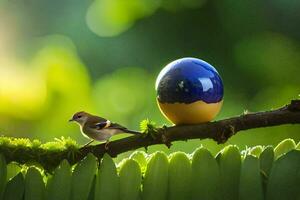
(193, 113)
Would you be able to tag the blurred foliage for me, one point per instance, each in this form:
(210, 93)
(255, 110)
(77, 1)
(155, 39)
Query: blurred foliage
(102, 56)
(267, 173)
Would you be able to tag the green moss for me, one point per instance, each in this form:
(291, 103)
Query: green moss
(25, 143)
(148, 128)
(48, 155)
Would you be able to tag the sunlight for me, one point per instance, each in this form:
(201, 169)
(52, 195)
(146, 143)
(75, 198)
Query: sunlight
(22, 91)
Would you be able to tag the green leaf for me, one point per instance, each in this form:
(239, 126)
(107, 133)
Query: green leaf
(205, 176)
(12, 170)
(283, 147)
(179, 177)
(92, 192)
(140, 157)
(266, 159)
(130, 180)
(298, 146)
(250, 180)
(107, 180)
(15, 188)
(59, 186)
(3, 175)
(82, 178)
(156, 175)
(256, 151)
(285, 177)
(34, 185)
(230, 166)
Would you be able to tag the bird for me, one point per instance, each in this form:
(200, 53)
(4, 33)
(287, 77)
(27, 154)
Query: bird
(97, 128)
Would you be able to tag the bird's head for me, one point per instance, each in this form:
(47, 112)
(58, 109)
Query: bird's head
(80, 117)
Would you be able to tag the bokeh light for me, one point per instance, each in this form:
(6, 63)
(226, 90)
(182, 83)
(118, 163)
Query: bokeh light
(103, 56)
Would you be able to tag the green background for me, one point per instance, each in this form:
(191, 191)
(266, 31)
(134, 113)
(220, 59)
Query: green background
(61, 56)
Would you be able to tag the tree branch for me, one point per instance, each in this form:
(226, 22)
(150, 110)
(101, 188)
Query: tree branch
(219, 131)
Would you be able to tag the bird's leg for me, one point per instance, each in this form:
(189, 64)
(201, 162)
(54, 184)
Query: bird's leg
(106, 144)
(88, 143)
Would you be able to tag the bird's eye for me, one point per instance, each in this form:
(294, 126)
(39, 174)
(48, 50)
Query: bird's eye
(79, 116)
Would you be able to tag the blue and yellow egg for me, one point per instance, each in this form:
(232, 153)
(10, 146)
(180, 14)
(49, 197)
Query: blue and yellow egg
(189, 91)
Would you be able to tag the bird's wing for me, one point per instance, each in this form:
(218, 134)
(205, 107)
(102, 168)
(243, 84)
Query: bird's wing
(101, 125)
(122, 128)
(108, 124)
(97, 123)
(117, 126)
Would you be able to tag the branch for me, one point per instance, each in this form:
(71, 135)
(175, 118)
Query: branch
(220, 131)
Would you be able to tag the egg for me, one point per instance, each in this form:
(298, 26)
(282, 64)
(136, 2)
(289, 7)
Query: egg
(189, 91)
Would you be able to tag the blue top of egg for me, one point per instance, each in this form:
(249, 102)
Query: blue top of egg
(188, 80)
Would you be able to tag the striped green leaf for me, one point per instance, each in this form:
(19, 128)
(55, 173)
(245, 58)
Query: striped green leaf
(179, 177)
(284, 178)
(12, 170)
(140, 157)
(266, 159)
(130, 180)
(3, 175)
(298, 146)
(82, 178)
(59, 186)
(107, 180)
(283, 147)
(15, 188)
(256, 151)
(205, 176)
(250, 180)
(156, 175)
(92, 192)
(230, 167)
(34, 185)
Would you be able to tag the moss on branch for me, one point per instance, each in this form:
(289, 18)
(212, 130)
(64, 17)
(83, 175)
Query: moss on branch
(50, 154)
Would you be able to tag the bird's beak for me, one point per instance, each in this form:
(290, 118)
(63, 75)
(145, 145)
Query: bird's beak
(71, 120)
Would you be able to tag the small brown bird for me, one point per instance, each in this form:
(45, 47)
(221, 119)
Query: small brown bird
(98, 128)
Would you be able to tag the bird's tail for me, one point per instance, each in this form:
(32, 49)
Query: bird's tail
(131, 131)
